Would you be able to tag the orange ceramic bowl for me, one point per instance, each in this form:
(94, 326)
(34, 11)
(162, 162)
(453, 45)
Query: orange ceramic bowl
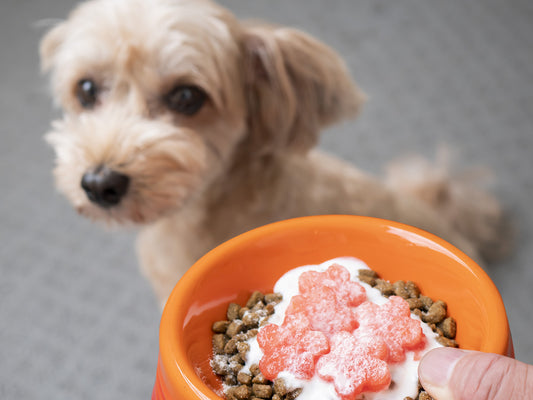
(256, 259)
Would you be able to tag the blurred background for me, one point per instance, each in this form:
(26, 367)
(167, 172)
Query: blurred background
(78, 321)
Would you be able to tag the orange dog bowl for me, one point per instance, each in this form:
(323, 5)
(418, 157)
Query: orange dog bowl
(256, 260)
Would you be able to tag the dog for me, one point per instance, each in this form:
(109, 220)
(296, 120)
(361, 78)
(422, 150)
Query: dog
(194, 126)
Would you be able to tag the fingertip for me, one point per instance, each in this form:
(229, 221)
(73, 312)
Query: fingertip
(435, 370)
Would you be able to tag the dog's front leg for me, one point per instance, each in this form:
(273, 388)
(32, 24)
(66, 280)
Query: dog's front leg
(166, 250)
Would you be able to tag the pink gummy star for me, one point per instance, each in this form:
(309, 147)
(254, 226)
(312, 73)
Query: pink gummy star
(337, 278)
(355, 365)
(393, 323)
(323, 309)
(291, 347)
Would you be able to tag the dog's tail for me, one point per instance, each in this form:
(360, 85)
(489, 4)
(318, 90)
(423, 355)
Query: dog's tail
(459, 197)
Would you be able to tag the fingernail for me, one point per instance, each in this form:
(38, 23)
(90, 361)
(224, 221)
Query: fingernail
(435, 370)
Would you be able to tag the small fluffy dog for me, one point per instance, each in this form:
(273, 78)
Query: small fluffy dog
(196, 126)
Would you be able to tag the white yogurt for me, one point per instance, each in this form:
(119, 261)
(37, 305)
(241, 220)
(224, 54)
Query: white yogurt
(404, 374)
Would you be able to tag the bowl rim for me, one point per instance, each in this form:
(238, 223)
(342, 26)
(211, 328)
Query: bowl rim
(175, 376)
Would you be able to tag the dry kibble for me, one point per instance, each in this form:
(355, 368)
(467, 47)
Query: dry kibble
(417, 312)
(438, 330)
(235, 327)
(251, 319)
(240, 337)
(230, 380)
(426, 302)
(243, 348)
(243, 311)
(251, 333)
(220, 326)
(235, 368)
(368, 276)
(259, 307)
(436, 313)
(293, 394)
(244, 378)
(229, 342)
(236, 359)
(259, 378)
(273, 298)
(269, 308)
(424, 396)
(229, 393)
(219, 342)
(262, 391)
(413, 289)
(254, 298)
(449, 327)
(220, 368)
(368, 272)
(233, 311)
(279, 387)
(400, 289)
(446, 342)
(254, 369)
(414, 303)
(242, 392)
(384, 287)
(368, 280)
(230, 347)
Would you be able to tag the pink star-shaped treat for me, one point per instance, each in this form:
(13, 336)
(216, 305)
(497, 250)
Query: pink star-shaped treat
(325, 312)
(355, 365)
(291, 347)
(337, 278)
(393, 323)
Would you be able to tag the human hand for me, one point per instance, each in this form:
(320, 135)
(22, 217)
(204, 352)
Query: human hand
(454, 374)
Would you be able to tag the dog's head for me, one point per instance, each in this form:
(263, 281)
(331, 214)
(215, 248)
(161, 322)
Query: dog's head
(162, 97)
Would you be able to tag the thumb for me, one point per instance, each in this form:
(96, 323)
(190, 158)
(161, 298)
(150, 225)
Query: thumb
(454, 374)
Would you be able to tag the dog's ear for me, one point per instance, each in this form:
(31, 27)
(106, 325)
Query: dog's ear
(295, 87)
(49, 45)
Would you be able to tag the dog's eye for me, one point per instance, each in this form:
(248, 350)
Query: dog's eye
(185, 99)
(87, 93)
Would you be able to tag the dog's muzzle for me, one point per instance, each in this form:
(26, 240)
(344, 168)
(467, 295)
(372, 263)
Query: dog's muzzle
(104, 186)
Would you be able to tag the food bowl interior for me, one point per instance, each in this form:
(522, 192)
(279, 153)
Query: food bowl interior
(255, 261)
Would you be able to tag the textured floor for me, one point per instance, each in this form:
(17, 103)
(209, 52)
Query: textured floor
(77, 319)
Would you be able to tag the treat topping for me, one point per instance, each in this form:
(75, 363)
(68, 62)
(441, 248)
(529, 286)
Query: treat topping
(291, 347)
(355, 364)
(332, 335)
(391, 322)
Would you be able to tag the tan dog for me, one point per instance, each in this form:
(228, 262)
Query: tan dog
(196, 126)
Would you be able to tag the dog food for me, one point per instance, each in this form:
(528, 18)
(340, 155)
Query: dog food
(335, 329)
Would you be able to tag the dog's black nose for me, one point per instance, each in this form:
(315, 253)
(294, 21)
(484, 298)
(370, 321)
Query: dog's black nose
(104, 186)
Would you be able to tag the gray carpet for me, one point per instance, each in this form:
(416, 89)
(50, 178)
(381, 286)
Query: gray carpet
(77, 319)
